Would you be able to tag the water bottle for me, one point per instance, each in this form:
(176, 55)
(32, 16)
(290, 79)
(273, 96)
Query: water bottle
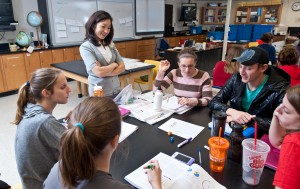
(98, 91)
(236, 137)
(158, 96)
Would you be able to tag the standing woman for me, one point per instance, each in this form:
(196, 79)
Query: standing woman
(192, 86)
(87, 147)
(38, 132)
(100, 55)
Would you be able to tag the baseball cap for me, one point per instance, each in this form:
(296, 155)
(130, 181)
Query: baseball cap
(252, 56)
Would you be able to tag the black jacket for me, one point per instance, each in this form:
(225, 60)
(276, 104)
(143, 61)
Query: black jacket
(263, 105)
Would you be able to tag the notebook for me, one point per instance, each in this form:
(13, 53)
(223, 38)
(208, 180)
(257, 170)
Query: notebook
(175, 174)
(124, 112)
(273, 156)
(171, 103)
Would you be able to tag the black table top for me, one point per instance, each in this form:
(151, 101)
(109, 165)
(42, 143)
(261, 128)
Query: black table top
(149, 140)
(78, 67)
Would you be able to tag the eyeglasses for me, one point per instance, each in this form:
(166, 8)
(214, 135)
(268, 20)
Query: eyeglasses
(187, 67)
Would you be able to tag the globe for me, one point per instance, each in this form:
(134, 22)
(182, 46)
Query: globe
(34, 19)
(23, 39)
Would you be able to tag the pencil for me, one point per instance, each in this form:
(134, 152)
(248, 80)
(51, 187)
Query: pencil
(199, 153)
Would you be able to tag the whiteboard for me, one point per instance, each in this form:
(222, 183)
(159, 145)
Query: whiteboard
(122, 12)
(67, 19)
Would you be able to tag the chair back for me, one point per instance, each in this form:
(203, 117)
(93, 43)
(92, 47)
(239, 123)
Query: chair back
(155, 69)
(253, 44)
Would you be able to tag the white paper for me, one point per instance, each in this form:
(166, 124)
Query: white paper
(78, 23)
(149, 96)
(61, 34)
(172, 104)
(71, 22)
(128, 19)
(126, 130)
(61, 27)
(181, 128)
(132, 65)
(122, 21)
(59, 20)
(74, 29)
(175, 175)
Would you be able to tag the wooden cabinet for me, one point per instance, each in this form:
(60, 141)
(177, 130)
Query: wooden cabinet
(77, 55)
(175, 41)
(14, 71)
(46, 58)
(32, 63)
(57, 55)
(2, 87)
(145, 49)
(121, 47)
(214, 15)
(68, 54)
(131, 49)
(263, 14)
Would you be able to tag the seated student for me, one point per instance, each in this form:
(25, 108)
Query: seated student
(38, 132)
(267, 39)
(288, 61)
(224, 69)
(193, 86)
(253, 92)
(87, 147)
(285, 134)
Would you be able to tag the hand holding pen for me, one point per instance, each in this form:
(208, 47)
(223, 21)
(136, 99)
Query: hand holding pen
(153, 172)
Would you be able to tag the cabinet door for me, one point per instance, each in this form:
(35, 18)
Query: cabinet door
(69, 54)
(131, 49)
(272, 14)
(221, 15)
(2, 88)
(32, 63)
(46, 59)
(14, 71)
(241, 15)
(255, 15)
(77, 55)
(209, 15)
(121, 46)
(57, 56)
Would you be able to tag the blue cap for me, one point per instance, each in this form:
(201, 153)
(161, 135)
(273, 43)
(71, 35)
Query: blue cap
(252, 56)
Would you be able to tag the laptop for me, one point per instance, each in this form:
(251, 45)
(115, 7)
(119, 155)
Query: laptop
(273, 156)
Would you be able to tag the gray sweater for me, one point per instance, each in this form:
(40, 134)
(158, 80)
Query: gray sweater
(37, 145)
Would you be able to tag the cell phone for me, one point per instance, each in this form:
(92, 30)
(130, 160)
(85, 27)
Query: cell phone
(183, 158)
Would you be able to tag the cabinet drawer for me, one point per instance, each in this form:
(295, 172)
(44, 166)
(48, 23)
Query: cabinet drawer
(145, 53)
(146, 48)
(120, 45)
(146, 42)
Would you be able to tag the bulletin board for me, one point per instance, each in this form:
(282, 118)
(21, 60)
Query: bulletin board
(122, 12)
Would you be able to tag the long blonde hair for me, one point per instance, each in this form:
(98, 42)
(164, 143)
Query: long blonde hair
(232, 67)
(31, 91)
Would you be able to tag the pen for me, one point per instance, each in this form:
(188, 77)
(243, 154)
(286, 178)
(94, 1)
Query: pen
(199, 153)
(150, 166)
(184, 142)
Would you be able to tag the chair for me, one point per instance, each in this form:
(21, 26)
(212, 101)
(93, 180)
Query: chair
(162, 46)
(253, 44)
(144, 79)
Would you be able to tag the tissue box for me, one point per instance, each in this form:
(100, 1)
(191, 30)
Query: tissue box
(195, 29)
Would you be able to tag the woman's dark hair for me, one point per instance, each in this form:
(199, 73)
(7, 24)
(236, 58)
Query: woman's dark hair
(293, 96)
(288, 56)
(31, 91)
(101, 121)
(267, 37)
(91, 24)
(187, 53)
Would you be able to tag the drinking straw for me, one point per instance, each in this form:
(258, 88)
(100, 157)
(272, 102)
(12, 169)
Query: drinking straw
(220, 131)
(255, 139)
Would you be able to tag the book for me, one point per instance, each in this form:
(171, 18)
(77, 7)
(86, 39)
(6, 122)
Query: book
(126, 130)
(124, 112)
(175, 174)
(171, 103)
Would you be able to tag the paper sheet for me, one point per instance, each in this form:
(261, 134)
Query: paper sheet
(126, 130)
(181, 128)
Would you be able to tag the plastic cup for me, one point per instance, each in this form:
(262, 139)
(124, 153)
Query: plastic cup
(217, 153)
(254, 159)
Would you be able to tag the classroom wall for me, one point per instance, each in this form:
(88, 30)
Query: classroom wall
(23, 7)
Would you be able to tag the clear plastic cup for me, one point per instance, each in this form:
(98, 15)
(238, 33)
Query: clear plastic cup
(254, 159)
(217, 153)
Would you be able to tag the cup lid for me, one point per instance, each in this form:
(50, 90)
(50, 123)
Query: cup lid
(97, 87)
(214, 143)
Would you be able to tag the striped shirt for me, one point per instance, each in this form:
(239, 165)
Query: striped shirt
(197, 88)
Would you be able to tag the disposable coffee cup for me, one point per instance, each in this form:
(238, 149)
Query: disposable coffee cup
(219, 121)
(254, 159)
(218, 148)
